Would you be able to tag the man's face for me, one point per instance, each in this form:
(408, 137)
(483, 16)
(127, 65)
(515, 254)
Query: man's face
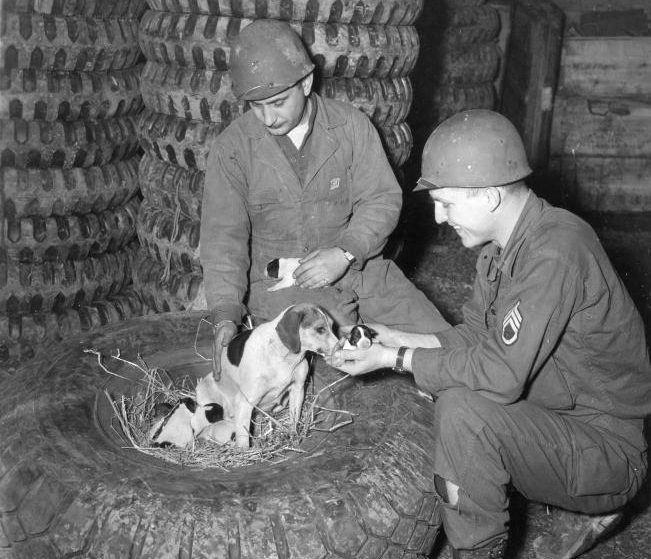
(469, 214)
(281, 113)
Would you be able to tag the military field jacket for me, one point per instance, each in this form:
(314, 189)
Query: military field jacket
(549, 321)
(255, 208)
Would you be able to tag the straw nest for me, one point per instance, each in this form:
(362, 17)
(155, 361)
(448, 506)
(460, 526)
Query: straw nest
(272, 437)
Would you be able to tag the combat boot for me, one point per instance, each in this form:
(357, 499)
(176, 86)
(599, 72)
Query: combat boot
(494, 550)
(573, 534)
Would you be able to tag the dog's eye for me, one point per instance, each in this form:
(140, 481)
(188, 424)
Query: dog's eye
(321, 330)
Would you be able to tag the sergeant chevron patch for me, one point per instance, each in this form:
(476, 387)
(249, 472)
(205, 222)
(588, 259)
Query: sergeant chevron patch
(511, 325)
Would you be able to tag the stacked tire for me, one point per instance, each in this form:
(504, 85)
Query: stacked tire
(364, 53)
(69, 155)
(460, 60)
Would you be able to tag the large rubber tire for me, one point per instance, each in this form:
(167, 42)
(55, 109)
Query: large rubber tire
(168, 186)
(89, 8)
(33, 240)
(206, 95)
(385, 101)
(169, 239)
(469, 64)
(54, 95)
(447, 4)
(341, 50)
(176, 140)
(176, 292)
(40, 144)
(383, 12)
(21, 336)
(468, 25)
(46, 42)
(190, 93)
(451, 99)
(27, 288)
(61, 192)
(69, 487)
(398, 142)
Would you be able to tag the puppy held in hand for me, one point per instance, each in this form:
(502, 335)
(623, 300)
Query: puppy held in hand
(359, 337)
(282, 269)
(261, 366)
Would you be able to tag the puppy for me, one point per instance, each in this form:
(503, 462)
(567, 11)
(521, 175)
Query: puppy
(182, 422)
(359, 337)
(261, 366)
(283, 270)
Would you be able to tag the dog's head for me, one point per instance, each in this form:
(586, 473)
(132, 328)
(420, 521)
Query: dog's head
(273, 268)
(279, 268)
(361, 336)
(306, 327)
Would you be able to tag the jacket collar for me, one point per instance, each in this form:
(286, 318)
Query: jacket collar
(505, 260)
(323, 145)
(324, 119)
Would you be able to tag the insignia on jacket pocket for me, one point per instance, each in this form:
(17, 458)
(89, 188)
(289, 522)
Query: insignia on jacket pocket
(511, 325)
(334, 183)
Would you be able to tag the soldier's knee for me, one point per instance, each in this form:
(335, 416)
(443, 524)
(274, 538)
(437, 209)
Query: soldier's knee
(462, 414)
(453, 407)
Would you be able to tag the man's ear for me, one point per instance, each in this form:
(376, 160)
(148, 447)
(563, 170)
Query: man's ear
(493, 197)
(307, 82)
(287, 329)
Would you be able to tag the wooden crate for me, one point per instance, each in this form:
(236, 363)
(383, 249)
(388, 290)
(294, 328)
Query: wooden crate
(609, 127)
(604, 184)
(606, 67)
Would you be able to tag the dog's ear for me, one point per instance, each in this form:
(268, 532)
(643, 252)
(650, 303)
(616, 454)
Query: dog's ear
(235, 348)
(287, 329)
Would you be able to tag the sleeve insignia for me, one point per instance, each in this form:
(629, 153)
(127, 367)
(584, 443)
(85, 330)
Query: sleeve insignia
(511, 325)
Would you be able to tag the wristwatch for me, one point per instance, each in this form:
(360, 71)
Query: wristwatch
(400, 358)
(349, 256)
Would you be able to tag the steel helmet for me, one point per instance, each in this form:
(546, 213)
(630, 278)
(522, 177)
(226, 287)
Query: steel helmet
(473, 148)
(268, 57)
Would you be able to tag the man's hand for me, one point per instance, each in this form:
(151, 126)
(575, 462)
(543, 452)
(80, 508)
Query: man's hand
(321, 268)
(224, 332)
(359, 361)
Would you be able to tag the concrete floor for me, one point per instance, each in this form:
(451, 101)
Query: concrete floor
(435, 260)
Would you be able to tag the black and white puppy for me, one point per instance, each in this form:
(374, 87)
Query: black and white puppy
(359, 337)
(182, 422)
(283, 270)
(262, 365)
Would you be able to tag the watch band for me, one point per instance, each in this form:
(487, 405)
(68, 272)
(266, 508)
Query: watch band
(400, 358)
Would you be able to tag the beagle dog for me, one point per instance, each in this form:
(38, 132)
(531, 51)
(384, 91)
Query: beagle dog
(261, 366)
(283, 270)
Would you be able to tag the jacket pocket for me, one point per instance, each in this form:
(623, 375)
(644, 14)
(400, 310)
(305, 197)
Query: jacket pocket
(550, 389)
(272, 219)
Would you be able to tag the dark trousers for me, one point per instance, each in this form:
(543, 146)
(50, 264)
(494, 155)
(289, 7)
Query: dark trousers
(549, 457)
